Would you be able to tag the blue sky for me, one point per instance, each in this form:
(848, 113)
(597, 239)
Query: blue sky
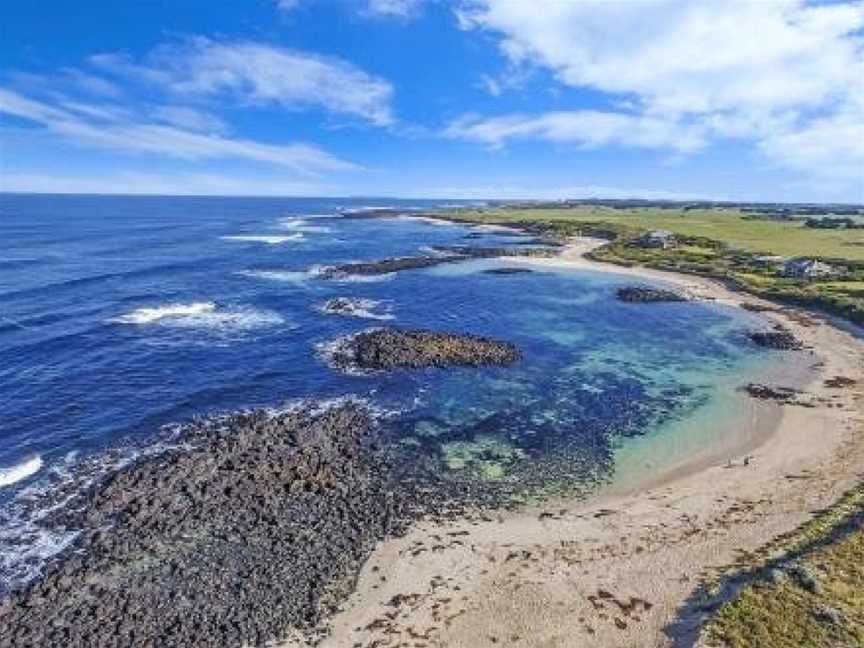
(741, 99)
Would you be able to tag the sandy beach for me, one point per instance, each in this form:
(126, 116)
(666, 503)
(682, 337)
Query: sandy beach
(624, 568)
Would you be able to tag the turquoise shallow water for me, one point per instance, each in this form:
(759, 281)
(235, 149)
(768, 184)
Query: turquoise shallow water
(120, 315)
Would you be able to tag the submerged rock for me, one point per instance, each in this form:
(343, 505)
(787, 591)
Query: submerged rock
(390, 348)
(486, 455)
(779, 338)
(644, 294)
(219, 545)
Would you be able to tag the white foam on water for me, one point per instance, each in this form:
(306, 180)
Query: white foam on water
(328, 350)
(427, 219)
(357, 307)
(23, 470)
(27, 543)
(270, 239)
(206, 315)
(301, 225)
(291, 276)
(358, 278)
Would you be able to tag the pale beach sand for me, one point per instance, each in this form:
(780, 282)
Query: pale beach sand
(618, 570)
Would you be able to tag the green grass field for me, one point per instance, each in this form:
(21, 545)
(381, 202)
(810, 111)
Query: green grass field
(787, 238)
(719, 243)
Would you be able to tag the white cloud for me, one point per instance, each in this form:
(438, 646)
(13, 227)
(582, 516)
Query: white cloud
(586, 128)
(190, 118)
(259, 74)
(784, 73)
(828, 148)
(395, 8)
(287, 5)
(108, 129)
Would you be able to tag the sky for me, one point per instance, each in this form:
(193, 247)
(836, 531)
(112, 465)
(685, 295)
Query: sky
(676, 99)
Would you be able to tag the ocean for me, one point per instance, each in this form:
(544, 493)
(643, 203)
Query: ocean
(123, 317)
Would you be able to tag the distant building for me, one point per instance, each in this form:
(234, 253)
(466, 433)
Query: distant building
(810, 269)
(660, 239)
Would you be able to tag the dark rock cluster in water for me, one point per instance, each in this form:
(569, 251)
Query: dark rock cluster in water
(257, 530)
(386, 266)
(355, 307)
(446, 254)
(769, 392)
(780, 338)
(478, 252)
(644, 294)
(390, 348)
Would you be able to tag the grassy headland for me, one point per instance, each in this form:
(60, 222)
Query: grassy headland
(812, 595)
(724, 243)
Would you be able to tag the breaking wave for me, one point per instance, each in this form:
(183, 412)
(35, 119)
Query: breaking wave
(270, 239)
(301, 225)
(23, 470)
(201, 315)
(357, 307)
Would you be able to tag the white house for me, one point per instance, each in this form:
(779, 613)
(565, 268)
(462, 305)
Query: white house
(657, 239)
(810, 269)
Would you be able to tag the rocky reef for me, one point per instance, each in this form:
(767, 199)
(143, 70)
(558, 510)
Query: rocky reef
(356, 307)
(645, 294)
(386, 266)
(219, 545)
(780, 338)
(444, 254)
(389, 348)
(480, 252)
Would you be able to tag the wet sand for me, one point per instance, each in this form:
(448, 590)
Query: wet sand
(623, 568)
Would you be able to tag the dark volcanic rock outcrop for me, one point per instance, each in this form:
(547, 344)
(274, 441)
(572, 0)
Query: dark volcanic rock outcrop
(386, 266)
(393, 348)
(258, 529)
(477, 252)
(644, 294)
(447, 254)
(780, 338)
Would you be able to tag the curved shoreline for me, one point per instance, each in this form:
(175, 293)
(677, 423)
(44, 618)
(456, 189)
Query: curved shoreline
(620, 569)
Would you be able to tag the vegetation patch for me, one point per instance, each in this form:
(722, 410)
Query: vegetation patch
(756, 254)
(812, 595)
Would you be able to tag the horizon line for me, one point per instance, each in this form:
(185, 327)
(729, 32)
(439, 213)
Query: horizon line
(386, 197)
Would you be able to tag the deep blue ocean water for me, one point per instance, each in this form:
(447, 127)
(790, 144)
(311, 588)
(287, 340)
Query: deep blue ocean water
(119, 315)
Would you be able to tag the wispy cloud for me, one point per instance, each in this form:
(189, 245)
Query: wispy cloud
(108, 128)
(250, 74)
(395, 8)
(784, 74)
(587, 128)
(287, 5)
